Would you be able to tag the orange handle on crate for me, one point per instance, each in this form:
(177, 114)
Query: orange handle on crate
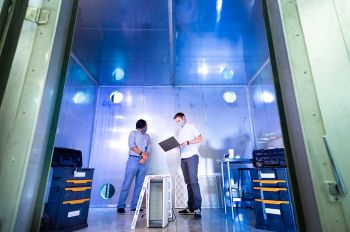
(77, 189)
(270, 181)
(272, 202)
(74, 202)
(78, 181)
(266, 189)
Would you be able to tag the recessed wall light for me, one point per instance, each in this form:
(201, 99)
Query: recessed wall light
(230, 96)
(116, 97)
(267, 97)
(79, 97)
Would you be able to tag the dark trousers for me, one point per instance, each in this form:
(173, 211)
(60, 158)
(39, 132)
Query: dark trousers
(189, 168)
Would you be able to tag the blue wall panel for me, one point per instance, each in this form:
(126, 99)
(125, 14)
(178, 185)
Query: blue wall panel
(76, 119)
(222, 125)
(265, 116)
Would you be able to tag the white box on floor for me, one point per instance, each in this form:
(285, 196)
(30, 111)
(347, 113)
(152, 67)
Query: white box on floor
(158, 196)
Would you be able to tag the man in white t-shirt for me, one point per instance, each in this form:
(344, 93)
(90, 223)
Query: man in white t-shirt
(190, 138)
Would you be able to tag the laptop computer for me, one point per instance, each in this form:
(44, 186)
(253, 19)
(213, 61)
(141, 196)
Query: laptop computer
(169, 144)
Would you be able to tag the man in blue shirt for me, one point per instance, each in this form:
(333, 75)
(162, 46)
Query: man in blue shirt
(136, 166)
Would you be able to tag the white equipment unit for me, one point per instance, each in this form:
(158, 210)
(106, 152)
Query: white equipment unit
(158, 201)
(158, 197)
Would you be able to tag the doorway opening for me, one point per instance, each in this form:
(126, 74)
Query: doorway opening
(149, 60)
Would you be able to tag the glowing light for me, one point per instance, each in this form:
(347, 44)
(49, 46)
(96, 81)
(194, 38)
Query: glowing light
(218, 5)
(230, 96)
(116, 97)
(218, 10)
(267, 97)
(128, 99)
(203, 69)
(120, 117)
(227, 73)
(118, 74)
(79, 97)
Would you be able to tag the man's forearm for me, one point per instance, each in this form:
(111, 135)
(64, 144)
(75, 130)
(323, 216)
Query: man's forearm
(199, 139)
(136, 150)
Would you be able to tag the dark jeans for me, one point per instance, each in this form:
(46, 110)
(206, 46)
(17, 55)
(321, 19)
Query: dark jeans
(189, 168)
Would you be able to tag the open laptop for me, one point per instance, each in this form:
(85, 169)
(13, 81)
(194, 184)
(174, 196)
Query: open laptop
(169, 144)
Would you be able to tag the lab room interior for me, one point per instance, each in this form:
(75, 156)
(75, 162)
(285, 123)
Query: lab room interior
(174, 115)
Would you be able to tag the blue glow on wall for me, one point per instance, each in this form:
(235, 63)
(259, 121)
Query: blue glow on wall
(267, 97)
(118, 74)
(203, 69)
(80, 97)
(227, 73)
(77, 114)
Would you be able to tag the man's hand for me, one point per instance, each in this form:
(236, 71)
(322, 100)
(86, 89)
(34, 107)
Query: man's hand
(184, 144)
(144, 155)
(142, 161)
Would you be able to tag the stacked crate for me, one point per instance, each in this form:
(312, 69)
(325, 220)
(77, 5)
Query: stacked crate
(69, 198)
(273, 203)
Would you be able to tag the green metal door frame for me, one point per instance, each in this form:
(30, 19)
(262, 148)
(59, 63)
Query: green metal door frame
(39, 205)
(11, 20)
(294, 27)
(38, 71)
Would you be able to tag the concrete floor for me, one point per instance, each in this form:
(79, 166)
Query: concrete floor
(107, 219)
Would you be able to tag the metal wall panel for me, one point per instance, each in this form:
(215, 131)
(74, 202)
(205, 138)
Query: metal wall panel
(223, 126)
(77, 115)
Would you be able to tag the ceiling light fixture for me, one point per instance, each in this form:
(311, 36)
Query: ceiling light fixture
(118, 74)
(227, 74)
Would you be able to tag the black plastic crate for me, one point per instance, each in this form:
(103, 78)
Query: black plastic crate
(66, 157)
(269, 158)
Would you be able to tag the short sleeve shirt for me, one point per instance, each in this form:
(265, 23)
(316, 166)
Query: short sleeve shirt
(188, 132)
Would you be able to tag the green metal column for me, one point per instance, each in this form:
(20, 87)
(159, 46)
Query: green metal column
(27, 110)
(311, 41)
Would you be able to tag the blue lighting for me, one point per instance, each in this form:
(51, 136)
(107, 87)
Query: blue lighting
(218, 10)
(227, 74)
(118, 74)
(267, 97)
(116, 97)
(79, 97)
(203, 69)
(230, 96)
